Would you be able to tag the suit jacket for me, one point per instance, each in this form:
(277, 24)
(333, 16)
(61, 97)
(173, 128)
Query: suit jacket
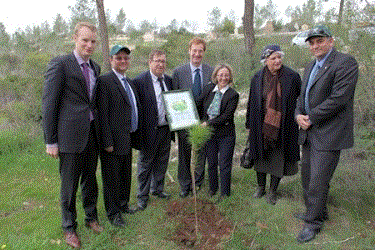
(149, 110)
(290, 90)
(223, 124)
(115, 113)
(331, 99)
(66, 104)
(182, 76)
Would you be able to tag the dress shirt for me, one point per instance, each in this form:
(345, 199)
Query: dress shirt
(193, 68)
(223, 90)
(315, 70)
(91, 71)
(159, 100)
(120, 77)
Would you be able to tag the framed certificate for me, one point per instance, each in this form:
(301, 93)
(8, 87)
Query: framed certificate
(181, 110)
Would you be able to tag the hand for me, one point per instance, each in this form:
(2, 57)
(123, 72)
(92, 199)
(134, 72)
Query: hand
(109, 149)
(304, 121)
(204, 124)
(53, 152)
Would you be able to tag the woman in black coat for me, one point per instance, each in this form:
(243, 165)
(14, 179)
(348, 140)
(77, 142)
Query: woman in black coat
(273, 132)
(216, 107)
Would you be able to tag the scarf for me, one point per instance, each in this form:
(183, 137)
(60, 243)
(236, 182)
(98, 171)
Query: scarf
(272, 118)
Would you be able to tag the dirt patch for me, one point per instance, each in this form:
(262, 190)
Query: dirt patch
(213, 227)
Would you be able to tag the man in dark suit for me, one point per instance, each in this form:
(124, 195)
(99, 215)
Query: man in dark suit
(69, 122)
(118, 109)
(324, 113)
(193, 75)
(156, 136)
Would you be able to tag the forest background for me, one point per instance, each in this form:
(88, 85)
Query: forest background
(29, 180)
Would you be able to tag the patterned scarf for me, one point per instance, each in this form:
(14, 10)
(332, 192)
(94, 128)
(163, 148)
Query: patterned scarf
(272, 118)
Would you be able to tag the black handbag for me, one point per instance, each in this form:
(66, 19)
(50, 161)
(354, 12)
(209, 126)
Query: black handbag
(245, 160)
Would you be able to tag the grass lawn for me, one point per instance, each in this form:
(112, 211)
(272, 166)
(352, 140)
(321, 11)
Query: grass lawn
(30, 212)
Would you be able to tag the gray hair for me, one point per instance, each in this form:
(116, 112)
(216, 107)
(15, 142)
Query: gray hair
(263, 61)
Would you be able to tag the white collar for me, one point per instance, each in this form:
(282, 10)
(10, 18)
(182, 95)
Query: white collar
(119, 76)
(223, 90)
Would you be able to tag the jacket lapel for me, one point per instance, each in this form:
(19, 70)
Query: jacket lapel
(327, 64)
(120, 87)
(77, 71)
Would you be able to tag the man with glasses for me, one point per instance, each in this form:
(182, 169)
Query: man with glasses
(155, 134)
(118, 107)
(324, 113)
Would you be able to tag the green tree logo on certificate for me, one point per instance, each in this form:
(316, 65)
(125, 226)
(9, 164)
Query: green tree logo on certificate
(181, 109)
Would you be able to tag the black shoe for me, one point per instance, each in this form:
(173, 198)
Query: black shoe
(162, 195)
(306, 235)
(140, 206)
(184, 194)
(260, 192)
(211, 193)
(117, 220)
(127, 210)
(272, 198)
(301, 216)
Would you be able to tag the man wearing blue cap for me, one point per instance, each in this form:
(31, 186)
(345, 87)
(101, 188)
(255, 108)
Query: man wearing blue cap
(324, 113)
(118, 107)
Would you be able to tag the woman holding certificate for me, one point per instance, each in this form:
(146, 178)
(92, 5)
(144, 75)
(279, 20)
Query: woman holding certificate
(216, 107)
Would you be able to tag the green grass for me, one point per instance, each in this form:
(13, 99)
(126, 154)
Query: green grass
(30, 212)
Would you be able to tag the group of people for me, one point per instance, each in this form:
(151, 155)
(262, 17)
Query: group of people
(87, 115)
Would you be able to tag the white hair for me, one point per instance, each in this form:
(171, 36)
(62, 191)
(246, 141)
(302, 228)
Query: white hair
(281, 53)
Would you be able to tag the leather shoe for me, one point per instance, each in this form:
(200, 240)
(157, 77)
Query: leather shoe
(259, 193)
(301, 216)
(272, 198)
(140, 206)
(211, 193)
(127, 210)
(94, 226)
(162, 195)
(306, 235)
(71, 238)
(117, 220)
(184, 194)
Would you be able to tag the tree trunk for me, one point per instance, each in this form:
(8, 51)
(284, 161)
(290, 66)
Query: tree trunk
(103, 33)
(248, 26)
(339, 20)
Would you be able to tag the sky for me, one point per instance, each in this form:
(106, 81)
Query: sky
(14, 16)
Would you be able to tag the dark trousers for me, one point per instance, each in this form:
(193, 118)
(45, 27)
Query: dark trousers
(79, 168)
(317, 171)
(219, 152)
(184, 163)
(116, 175)
(152, 166)
(262, 180)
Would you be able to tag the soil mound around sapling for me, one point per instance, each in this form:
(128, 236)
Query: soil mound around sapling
(213, 227)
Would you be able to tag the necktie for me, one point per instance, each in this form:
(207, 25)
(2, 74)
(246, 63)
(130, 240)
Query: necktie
(313, 73)
(86, 74)
(214, 108)
(160, 80)
(197, 84)
(134, 120)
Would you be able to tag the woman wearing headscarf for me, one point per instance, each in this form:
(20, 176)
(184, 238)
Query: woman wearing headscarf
(273, 132)
(216, 107)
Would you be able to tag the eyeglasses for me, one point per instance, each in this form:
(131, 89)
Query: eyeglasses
(120, 58)
(160, 61)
